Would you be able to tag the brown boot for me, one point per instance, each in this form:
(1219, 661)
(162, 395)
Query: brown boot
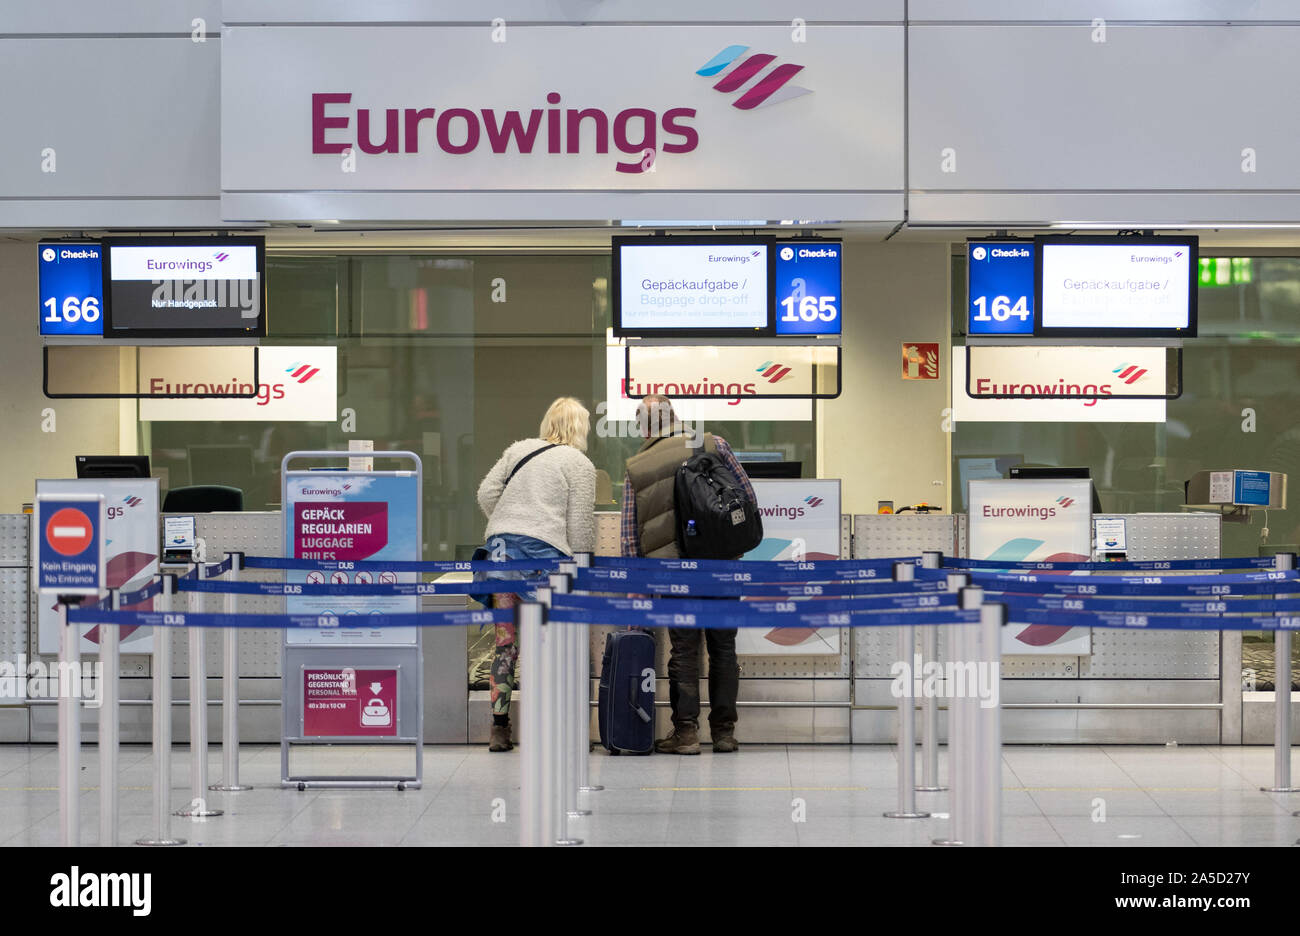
(684, 739)
(500, 739)
(724, 740)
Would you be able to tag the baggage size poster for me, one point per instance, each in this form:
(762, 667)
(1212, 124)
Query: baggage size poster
(801, 522)
(1034, 521)
(349, 517)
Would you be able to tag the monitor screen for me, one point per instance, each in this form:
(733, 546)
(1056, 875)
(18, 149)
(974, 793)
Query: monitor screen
(981, 468)
(71, 284)
(184, 287)
(1000, 287)
(773, 469)
(692, 286)
(1113, 287)
(112, 466)
(809, 287)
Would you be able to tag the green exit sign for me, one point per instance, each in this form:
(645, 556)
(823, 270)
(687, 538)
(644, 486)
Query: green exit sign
(1225, 271)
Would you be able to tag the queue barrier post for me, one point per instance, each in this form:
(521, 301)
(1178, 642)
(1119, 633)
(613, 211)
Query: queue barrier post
(198, 805)
(906, 572)
(566, 779)
(577, 718)
(69, 680)
(162, 726)
(930, 559)
(535, 808)
(230, 689)
(959, 736)
(110, 658)
(988, 799)
(583, 559)
(1282, 562)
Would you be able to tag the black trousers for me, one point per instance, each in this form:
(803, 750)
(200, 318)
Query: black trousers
(684, 676)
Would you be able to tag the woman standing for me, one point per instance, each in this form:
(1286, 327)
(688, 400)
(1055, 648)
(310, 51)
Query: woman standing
(538, 499)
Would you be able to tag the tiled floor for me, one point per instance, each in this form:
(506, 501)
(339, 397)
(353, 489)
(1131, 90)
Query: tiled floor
(765, 795)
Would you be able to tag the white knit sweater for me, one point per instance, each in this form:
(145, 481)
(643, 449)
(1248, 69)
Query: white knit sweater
(550, 499)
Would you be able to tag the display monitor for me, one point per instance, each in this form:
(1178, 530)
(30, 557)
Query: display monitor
(1115, 287)
(809, 287)
(112, 466)
(983, 467)
(692, 287)
(1000, 287)
(71, 286)
(772, 469)
(1054, 471)
(184, 287)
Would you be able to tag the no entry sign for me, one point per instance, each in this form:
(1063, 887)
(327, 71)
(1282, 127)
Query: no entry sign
(70, 535)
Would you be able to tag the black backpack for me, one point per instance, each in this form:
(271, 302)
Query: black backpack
(715, 520)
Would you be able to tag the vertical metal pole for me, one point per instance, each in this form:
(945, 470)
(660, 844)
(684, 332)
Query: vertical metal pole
(547, 702)
(584, 694)
(198, 805)
(958, 738)
(110, 662)
(989, 803)
(565, 779)
(69, 679)
(906, 572)
(534, 818)
(230, 690)
(929, 703)
(1282, 562)
(162, 726)
(576, 731)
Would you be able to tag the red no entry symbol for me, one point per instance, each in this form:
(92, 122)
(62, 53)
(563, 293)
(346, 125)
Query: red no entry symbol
(69, 531)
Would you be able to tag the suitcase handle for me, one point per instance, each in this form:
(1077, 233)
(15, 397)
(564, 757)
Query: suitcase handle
(633, 703)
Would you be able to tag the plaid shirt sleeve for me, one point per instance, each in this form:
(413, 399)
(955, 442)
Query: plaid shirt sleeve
(630, 539)
(733, 465)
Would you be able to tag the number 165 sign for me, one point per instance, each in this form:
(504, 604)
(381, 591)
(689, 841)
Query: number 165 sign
(71, 288)
(808, 287)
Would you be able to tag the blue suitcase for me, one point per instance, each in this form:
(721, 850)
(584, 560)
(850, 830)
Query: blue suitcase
(625, 710)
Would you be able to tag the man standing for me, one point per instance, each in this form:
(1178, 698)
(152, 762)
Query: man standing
(649, 529)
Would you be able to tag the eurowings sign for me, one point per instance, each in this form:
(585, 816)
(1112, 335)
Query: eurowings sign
(423, 109)
(1033, 521)
(1094, 375)
(294, 384)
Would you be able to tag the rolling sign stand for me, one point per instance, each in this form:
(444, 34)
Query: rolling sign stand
(352, 685)
(70, 564)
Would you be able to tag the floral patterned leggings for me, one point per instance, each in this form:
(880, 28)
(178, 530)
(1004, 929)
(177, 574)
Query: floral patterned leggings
(503, 659)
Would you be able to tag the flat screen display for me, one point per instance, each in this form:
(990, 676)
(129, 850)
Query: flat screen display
(71, 288)
(1115, 286)
(706, 287)
(1000, 287)
(184, 287)
(809, 287)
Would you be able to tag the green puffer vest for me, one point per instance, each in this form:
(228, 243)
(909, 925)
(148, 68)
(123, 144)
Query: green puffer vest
(653, 471)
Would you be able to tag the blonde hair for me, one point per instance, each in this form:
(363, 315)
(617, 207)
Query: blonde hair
(566, 422)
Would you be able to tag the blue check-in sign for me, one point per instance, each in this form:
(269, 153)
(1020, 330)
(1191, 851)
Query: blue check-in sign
(70, 544)
(809, 287)
(1000, 287)
(71, 284)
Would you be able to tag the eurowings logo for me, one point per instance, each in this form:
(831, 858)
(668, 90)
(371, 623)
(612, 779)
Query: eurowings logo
(131, 500)
(221, 257)
(812, 501)
(1065, 501)
(301, 372)
(1130, 373)
(772, 373)
(768, 90)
